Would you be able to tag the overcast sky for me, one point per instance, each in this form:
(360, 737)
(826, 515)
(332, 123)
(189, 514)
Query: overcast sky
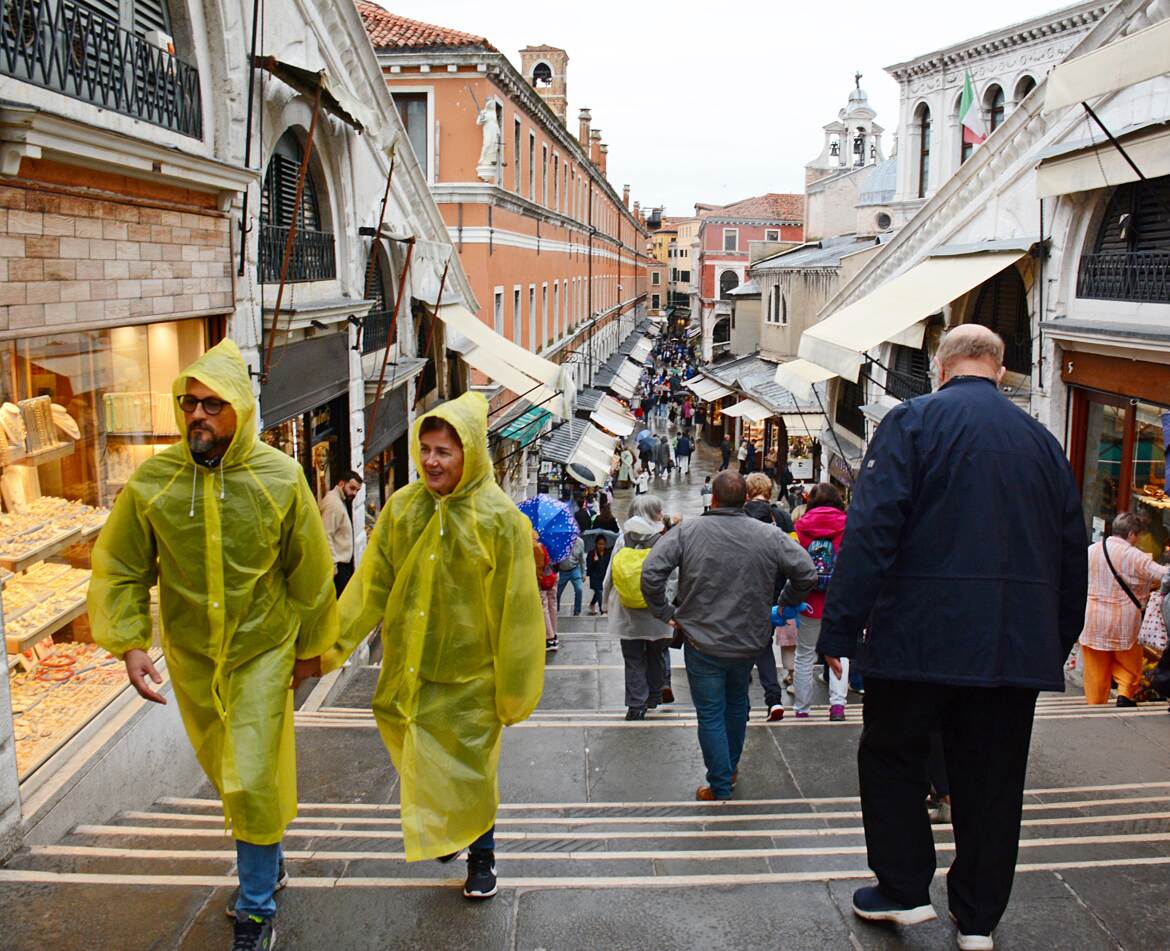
(700, 102)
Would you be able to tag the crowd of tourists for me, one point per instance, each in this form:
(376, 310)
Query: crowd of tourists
(955, 631)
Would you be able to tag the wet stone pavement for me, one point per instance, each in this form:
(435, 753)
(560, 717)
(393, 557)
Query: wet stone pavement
(601, 844)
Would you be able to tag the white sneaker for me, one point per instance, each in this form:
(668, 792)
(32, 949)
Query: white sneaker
(975, 942)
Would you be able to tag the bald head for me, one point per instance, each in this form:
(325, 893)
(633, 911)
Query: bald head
(970, 350)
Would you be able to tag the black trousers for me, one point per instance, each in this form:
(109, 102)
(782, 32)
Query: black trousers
(342, 576)
(985, 736)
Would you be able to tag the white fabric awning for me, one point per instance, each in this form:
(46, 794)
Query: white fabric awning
(623, 388)
(707, 389)
(535, 392)
(799, 377)
(620, 425)
(749, 409)
(839, 342)
(641, 350)
(1132, 59)
(458, 318)
(630, 373)
(804, 424)
(592, 460)
(1102, 166)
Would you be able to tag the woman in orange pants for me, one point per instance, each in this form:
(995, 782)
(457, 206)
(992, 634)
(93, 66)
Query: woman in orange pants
(1109, 648)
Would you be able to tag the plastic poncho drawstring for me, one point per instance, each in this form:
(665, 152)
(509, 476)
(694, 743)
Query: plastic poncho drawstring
(453, 580)
(245, 587)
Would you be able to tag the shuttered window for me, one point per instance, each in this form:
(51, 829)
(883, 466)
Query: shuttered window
(151, 15)
(313, 252)
(280, 188)
(1002, 306)
(910, 373)
(1137, 218)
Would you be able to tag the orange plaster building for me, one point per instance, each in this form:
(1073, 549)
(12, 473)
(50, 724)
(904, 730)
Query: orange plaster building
(554, 254)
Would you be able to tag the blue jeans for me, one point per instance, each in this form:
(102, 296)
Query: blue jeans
(258, 867)
(719, 689)
(485, 843)
(574, 577)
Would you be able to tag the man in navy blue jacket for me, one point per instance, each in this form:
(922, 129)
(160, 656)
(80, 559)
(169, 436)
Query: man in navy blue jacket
(961, 586)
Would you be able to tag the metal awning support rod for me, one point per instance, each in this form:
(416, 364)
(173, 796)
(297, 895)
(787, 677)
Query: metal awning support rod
(429, 348)
(248, 135)
(836, 438)
(389, 336)
(373, 260)
(291, 237)
(1124, 154)
(524, 395)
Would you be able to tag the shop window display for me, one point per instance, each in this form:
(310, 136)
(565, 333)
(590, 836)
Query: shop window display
(80, 412)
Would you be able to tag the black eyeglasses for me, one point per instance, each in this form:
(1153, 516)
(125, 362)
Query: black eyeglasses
(212, 405)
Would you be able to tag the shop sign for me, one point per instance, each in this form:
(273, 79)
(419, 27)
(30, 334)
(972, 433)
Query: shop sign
(840, 470)
(305, 375)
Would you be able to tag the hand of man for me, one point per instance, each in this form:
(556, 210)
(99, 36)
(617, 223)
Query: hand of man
(139, 667)
(834, 665)
(304, 669)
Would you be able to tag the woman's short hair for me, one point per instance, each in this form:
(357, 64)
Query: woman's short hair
(825, 495)
(647, 506)
(759, 486)
(1129, 523)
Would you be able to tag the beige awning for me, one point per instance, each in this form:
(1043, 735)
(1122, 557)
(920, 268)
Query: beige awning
(750, 410)
(799, 377)
(622, 387)
(804, 424)
(1133, 59)
(641, 350)
(619, 424)
(630, 373)
(707, 389)
(458, 318)
(839, 342)
(1100, 165)
(592, 460)
(494, 366)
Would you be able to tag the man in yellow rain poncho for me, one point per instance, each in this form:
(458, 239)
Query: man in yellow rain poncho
(228, 529)
(451, 575)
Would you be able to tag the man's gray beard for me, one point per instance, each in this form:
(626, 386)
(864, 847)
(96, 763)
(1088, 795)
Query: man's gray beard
(203, 443)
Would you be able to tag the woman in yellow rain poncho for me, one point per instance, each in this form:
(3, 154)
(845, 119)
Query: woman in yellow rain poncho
(453, 580)
(245, 583)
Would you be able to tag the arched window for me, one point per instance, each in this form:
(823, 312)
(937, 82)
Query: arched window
(1002, 306)
(995, 106)
(1025, 85)
(728, 281)
(312, 256)
(922, 121)
(376, 330)
(721, 332)
(541, 75)
(1131, 247)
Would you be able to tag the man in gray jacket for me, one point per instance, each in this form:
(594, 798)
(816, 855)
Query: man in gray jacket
(727, 564)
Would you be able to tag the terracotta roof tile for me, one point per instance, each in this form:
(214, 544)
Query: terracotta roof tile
(390, 31)
(772, 206)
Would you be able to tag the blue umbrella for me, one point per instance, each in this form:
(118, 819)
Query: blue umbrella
(554, 523)
(643, 434)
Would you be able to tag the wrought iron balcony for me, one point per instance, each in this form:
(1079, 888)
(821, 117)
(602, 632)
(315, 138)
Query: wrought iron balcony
(71, 49)
(313, 258)
(1142, 276)
(376, 332)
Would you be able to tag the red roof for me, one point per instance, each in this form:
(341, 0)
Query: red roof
(390, 31)
(772, 206)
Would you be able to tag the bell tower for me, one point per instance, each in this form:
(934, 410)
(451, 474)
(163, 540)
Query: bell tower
(545, 68)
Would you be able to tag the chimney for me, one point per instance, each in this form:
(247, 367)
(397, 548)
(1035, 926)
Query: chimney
(595, 147)
(626, 196)
(583, 117)
(637, 211)
(604, 150)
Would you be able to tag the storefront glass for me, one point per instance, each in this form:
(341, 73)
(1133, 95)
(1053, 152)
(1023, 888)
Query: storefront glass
(1101, 486)
(318, 440)
(81, 411)
(1151, 431)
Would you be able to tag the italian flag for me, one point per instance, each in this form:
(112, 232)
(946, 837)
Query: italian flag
(970, 115)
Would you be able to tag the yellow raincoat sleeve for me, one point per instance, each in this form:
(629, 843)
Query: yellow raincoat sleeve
(363, 602)
(125, 566)
(517, 629)
(308, 570)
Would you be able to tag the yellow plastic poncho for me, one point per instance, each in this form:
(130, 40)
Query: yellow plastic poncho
(453, 581)
(245, 585)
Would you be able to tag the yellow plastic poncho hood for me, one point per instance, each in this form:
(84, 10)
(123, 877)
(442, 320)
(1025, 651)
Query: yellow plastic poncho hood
(245, 586)
(453, 580)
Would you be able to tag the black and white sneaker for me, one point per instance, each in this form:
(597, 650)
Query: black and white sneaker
(481, 875)
(872, 904)
(253, 934)
(550, 645)
(281, 882)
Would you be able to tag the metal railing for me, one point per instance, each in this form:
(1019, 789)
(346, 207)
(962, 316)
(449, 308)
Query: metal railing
(376, 332)
(1142, 276)
(313, 257)
(76, 51)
